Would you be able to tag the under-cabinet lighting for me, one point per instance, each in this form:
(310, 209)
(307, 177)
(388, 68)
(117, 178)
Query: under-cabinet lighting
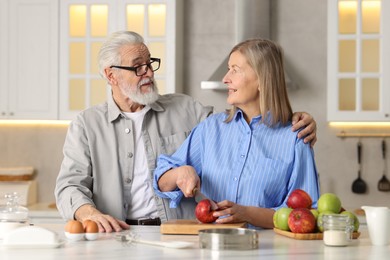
(359, 124)
(34, 122)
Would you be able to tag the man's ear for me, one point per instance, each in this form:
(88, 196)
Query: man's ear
(110, 76)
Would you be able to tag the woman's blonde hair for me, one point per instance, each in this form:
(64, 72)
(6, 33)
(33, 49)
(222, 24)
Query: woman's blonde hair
(266, 59)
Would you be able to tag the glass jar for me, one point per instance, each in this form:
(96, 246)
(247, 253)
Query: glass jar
(338, 229)
(12, 215)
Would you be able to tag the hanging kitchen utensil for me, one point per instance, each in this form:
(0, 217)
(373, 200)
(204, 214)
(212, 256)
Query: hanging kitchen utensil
(359, 186)
(384, 183)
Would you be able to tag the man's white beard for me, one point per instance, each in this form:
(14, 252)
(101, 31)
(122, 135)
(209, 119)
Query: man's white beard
(142, 98)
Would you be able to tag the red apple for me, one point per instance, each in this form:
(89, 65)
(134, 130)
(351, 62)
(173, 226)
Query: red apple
(204, 213)
(301, 220)
(299, 199)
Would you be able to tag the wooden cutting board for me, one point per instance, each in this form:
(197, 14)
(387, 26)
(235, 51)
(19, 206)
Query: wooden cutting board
(308, 236)
(16, 174)
(192, 226)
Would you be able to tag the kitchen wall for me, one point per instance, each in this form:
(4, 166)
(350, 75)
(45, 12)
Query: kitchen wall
(39, 146)
(209, 34)
(300, 26)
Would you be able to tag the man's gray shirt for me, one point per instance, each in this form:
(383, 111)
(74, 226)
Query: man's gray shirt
(98, 155)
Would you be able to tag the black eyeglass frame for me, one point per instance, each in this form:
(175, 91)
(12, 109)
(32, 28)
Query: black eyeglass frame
(135, 68)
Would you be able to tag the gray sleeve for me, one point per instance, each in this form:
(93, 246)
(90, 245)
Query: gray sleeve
(74, 181)
(203, 111)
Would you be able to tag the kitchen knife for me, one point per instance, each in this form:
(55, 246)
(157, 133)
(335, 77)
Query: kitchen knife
(200, 196)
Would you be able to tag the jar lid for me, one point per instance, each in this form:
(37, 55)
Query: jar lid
(12, 211)
(336, 218)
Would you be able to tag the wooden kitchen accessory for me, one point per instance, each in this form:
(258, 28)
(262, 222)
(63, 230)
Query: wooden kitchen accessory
(192, 226)
(16, 174)
(20, 180)
(307, 236)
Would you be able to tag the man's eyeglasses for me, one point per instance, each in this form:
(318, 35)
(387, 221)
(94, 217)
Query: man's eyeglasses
(141, 70)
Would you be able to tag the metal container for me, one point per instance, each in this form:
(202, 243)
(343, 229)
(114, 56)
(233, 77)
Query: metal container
(228, 239)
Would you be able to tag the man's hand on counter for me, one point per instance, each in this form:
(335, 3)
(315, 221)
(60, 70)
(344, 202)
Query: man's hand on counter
(106, 223)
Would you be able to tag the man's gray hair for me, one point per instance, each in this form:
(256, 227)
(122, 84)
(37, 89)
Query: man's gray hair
(109, 53)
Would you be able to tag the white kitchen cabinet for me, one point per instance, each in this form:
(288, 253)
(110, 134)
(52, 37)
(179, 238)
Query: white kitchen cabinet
(3, 59)
(29, 59)
(85, 24)
(48, 59)
(358, 60)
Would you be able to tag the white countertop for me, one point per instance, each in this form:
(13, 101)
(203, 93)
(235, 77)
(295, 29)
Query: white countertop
(271, 246)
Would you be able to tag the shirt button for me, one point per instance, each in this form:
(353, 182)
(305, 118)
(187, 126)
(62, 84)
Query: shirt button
(242, 155)
(128, 180)
(235, 179)
(130, 155)
(127, 130)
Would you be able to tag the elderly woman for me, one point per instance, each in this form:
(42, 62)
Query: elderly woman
(247, 160)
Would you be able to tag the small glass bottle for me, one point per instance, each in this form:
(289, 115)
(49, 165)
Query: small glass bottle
(338, 229)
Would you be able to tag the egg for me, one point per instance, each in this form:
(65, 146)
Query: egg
(74, 227)
(90, 226)
(91, 229)
(74, 230)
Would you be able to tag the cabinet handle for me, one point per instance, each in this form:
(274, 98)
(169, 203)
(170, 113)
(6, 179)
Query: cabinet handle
(386, 115)
(11, 113)
(3, 113)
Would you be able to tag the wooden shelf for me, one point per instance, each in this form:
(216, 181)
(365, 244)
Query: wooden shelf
(344, 134)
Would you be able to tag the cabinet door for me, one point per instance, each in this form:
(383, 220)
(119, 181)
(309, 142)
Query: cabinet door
(358, 60)
(85, 24)
(33, 59)
(159, 22)
(3, 59)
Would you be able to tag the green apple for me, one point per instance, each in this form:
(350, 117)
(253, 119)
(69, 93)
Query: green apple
(329, 202)
(319, 220)
(356, 222)
(280, 218)
(315, 213)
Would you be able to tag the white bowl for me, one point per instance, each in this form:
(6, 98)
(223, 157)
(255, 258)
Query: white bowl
(91, 236)
(74, 236)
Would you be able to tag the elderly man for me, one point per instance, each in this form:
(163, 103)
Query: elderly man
(110, 149)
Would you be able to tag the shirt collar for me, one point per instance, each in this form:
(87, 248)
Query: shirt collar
(240, 115)
(114, 112)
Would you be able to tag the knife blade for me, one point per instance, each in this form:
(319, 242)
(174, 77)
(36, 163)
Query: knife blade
(200, 196)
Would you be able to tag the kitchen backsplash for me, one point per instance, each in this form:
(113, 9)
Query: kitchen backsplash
(39, 146)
